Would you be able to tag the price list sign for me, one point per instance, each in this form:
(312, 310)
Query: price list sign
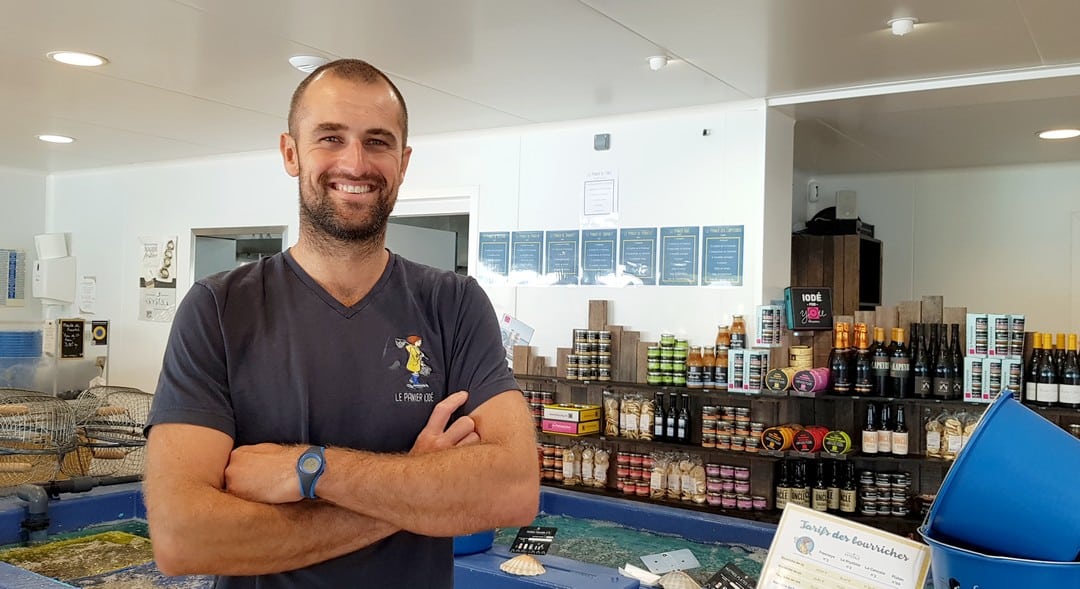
(679, 256)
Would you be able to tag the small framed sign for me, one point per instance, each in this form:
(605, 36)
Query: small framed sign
(808, 308)
(533, 540)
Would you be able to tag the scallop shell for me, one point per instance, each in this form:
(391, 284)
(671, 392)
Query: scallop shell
(523, 565)
(678, 580)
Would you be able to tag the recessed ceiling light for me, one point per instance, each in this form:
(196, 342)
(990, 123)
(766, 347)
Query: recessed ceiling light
(77, 58)
(307, 63)
(1059, 134)
(903, 25)
(56, 138)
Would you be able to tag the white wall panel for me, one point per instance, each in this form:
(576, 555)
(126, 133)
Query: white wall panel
(22, 216)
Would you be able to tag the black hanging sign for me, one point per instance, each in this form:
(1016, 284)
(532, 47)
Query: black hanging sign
(71, 338)
(99, 333)
(808, 308)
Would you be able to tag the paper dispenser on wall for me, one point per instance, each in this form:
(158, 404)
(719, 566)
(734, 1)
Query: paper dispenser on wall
(54, 270)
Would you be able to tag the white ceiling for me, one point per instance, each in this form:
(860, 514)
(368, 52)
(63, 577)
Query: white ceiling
(191, 78)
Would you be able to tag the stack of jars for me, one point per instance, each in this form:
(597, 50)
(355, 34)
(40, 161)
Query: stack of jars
(884, 493)
(667, 362)
(633, 473)
(590, 358)
(551, 462)
(537, 400)
(728, 487)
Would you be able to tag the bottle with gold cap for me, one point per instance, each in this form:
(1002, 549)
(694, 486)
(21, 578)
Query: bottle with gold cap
(1069, 389)
(1031, 376)
(899, 366)
(1059, 351)
(1046, 391)
(840, 376)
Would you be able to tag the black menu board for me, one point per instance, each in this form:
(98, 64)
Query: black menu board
(71, 338)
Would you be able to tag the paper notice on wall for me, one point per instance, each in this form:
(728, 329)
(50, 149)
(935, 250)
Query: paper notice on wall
(87, 294)
(157, 279)
(13, 277)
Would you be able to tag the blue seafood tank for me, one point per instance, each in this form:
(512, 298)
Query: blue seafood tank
(20, 352)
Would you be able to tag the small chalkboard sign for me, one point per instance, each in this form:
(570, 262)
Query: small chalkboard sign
(731, 577)
(533, 540)
(808, 308)
(71, 338)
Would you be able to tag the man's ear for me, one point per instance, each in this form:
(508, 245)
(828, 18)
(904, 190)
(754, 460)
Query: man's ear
(289, 156)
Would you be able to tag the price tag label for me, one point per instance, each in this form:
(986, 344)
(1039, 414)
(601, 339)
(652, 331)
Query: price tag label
(730, 577)
(533, 540)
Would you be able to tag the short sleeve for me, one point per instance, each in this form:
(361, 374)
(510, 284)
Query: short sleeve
(478, 359)
(194, 384)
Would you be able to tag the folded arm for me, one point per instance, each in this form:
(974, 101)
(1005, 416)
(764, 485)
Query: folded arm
(490, 483)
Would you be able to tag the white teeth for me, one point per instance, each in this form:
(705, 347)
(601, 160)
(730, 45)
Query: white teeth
(362, 189)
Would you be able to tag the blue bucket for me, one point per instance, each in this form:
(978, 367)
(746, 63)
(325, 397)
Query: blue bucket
(473, 543)
(1013, 489)
(958, 568)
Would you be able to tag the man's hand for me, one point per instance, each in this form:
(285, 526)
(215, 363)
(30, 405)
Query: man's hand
(436, 436)
(267, 472)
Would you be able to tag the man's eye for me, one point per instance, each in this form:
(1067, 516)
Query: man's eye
(331, 139)
(376, 142)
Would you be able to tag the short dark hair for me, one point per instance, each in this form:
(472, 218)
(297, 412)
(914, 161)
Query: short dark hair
(355, 70)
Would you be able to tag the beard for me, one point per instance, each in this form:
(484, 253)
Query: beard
(332, 221)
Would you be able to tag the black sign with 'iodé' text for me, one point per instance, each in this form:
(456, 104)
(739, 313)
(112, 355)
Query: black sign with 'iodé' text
(808, 307)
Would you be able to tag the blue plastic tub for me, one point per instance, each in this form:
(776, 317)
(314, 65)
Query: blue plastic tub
(473, 543)
(957, 568)
(1013, 490)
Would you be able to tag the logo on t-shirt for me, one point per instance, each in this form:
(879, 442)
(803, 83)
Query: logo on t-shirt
(415, 362)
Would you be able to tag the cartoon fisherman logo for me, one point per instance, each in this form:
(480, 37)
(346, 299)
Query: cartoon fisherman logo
(416, 364)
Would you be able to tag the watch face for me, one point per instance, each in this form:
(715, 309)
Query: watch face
(310, 464)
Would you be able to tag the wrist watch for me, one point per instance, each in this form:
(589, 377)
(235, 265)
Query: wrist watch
(309, 468)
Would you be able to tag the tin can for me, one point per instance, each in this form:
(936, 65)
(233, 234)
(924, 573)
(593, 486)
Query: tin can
(812, 380)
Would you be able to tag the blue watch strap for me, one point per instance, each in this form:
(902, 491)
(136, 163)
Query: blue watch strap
(309, 467)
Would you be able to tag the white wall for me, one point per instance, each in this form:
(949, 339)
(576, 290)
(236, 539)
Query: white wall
(994, 240)
(22, 216)
(669, 173)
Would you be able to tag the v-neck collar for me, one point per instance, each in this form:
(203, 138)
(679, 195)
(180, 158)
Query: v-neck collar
(319, 291)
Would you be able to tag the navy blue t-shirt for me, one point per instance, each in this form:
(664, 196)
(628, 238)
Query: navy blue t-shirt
(264, 354)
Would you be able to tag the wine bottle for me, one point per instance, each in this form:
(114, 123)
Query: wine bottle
(1059, 351)
(863, 381)
(879, 360)
(1046, 389)
(943, 370)
(922, 369)
(869, 434)
(839, 365)
(900, 433)
(913, 344)
(1031, 378)
(658, 417)
(683, 424)
(1069, 387)
(900, 365)
(671, 416)
(800, 488)
(957, 363)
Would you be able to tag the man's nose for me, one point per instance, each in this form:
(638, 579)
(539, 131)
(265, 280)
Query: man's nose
(353, 158)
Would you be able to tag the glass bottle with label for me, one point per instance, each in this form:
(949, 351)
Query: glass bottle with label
(1059, 351)
(943, 369)
(658, 417)
(670, 417)
(863, 381)
(957, 363)
(900, 365)
(839, 365)
(900, 433)
(738, 332)
(708, 367)
(879, 359)
(869, 434)
(694, 367)
(819, 495)
(884, 429)
(1069, 388)
(783, 484)
(1031, 377)
(834, 486)
(848, 492)
(1046, 390)
(720, 371)
(683, 423)
(922, 368)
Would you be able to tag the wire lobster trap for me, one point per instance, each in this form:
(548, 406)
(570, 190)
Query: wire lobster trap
(36, 431)
(109, 422)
